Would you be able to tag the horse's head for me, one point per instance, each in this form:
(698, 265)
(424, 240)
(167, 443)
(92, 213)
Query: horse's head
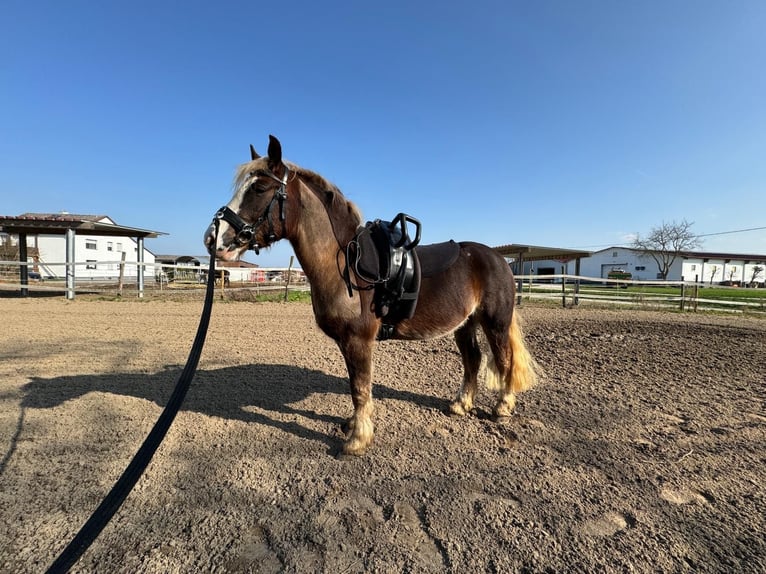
(255, 216)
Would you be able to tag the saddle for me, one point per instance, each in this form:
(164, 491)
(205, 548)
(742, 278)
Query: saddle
(383, 255)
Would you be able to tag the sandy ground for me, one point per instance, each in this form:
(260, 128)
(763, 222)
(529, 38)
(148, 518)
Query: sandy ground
(643, 450)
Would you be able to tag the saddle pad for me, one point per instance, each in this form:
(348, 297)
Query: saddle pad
(372, 252)
(437, 257)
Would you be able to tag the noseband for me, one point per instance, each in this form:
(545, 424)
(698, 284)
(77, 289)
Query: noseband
(245, 232)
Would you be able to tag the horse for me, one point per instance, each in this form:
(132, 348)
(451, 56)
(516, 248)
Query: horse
(275, 199)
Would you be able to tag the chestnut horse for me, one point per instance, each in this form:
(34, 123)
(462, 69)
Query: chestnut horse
(274, 199)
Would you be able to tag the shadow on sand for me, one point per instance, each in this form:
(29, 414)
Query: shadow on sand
(248, 393)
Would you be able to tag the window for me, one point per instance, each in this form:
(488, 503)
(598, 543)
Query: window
(640, 267)
(615, 253)
(119, 246)
(90, 264)
(108, 245)
(694, 267)
(90, 244)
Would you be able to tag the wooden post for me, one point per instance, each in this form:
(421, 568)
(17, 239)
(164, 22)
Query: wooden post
(696, 290)
(563, 288)
(576, 299)
(683, 292)
(122, 275)
(289, 274)
(23, 268)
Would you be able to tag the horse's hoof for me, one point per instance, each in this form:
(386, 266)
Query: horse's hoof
(348, 426)
(456, 410)
(349, 452)
(501, 419)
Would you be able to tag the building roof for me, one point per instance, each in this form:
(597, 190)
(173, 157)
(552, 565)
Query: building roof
(60, 223)
(65, 215)
(177, 259)
(239, 263)
(704, 254)
(539, 253)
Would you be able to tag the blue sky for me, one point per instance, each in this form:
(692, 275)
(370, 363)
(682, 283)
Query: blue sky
(558, 123)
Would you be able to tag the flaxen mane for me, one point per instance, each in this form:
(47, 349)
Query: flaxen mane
(344, 215)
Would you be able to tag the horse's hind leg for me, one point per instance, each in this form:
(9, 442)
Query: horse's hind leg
(470, 351)
(499, 365)
(513, 369)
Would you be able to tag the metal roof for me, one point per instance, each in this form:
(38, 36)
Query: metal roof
(720, 255)
(175, 259)
(700, 254)
(58, 224)
(539, 253)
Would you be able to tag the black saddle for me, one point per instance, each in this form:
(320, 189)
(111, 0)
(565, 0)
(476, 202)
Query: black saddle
(383, 254)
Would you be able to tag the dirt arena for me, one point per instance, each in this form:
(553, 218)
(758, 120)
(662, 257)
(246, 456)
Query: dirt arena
(642, 451)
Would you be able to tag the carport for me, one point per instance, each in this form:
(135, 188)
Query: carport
(527, 253)
(69, 226)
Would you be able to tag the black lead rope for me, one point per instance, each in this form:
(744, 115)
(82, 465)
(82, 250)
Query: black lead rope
(109, 506)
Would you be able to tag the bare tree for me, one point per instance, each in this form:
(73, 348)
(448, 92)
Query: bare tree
(757, 270)
(665, 243)
(713, 272)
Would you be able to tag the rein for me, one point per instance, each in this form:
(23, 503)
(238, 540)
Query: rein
(122, 488)
(245, 232)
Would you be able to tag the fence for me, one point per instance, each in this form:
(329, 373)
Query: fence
(572, 290)
(564, 290)
(146, 277)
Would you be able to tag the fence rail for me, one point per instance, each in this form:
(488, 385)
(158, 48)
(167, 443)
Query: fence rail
(571, 290)
(159, 277)
(566, 290)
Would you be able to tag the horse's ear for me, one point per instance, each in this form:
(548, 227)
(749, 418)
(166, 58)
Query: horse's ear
(253, 154)
(275, 151)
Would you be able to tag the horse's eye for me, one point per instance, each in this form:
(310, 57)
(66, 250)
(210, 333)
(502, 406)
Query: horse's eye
(259, 185)
(257, 188)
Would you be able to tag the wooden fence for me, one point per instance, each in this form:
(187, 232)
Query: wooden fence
(573, 290)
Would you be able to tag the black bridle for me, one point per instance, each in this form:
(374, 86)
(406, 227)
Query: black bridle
(245, 232)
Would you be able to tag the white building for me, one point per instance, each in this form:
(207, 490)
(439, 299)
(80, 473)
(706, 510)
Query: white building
(99, 244)
(699, 266)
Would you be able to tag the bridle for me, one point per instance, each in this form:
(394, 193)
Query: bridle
(245, 232)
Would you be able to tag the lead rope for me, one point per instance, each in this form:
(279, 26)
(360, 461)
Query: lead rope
(109, 506)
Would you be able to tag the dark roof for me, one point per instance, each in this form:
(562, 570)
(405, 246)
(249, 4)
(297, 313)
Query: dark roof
(205, 260)
(714, 255)
(64, 216)
(175, 259)
(539, 253)
(705, 254)
(59, 223)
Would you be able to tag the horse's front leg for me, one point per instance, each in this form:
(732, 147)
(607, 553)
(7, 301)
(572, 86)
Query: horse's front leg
(357, 353)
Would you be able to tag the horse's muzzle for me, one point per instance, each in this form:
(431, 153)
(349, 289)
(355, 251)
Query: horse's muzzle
(210, 238)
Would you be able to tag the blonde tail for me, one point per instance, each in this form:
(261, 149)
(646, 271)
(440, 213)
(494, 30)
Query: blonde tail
(525, 371)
